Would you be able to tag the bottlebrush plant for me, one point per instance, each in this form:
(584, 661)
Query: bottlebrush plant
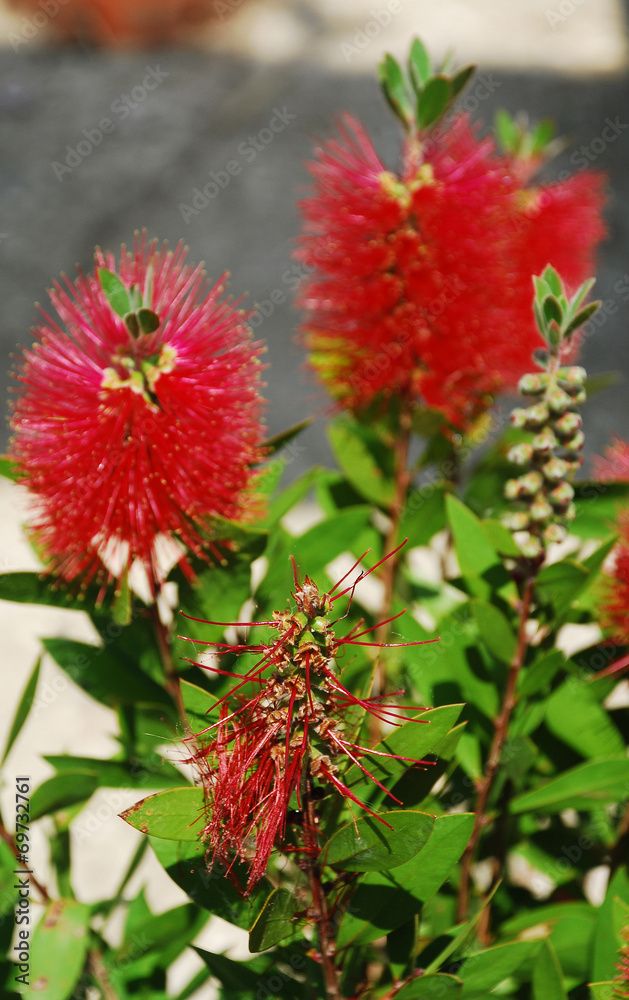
(267, 684)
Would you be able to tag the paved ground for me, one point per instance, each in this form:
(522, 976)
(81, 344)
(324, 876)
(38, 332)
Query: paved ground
(291, 58)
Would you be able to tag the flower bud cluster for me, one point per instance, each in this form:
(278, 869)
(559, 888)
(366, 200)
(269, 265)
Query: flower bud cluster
(549, 460)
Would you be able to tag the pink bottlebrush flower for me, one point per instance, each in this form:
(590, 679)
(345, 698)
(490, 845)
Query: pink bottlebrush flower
(621, 980)
(297, 726)
(420, 282)
(613, 467)
(126, 438)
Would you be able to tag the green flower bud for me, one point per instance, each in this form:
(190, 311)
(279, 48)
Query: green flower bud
(545, 442)
(540, 510)
(558, 401)
(555, 470)
(520, 454)
(530, 483)
(561, 495)
(554, 533)
(578, 397)
(518, 417)
(575, 443)
(568, 424)
(532, 385)
(512, 489)
(531, 547)
(573, 377)
(517, 521)
(536, 416)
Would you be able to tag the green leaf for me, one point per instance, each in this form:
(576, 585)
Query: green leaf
(217, 594)
(413, 739)
(463, 934)
(423, 515)
(274, 922)
(547, 975)
(606, 940)
(115, 292)
(597, 508)
(175, 814)
(107, 675)
(500, 538)
(365, 459)
(540, 673)
(575, 715)
(461, 79)
(145, 773)
(560, 584)
(384, 900)
(394, 87)
(164, 937)
(487, 969)
(434, 987)
(198, 703)
(22, 710)
(8, 469)
(61, 791)
(581, 317)
(495, 630)
(552, 309)
(582, 787)
(433, 100)
(207, 885)
(419, 65)
(369, 845)
(507, 132)
(148, 320)
(602, 991)
(234, 977)
(58, 949)
(480, 564)
(33, 588)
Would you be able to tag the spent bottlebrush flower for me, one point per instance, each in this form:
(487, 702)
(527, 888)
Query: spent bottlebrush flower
(138, 417)
(288, 723)
(419, 281)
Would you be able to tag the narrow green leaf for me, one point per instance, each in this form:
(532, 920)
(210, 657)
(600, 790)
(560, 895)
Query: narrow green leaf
(581, 317)
(551, 277)
(58, 949)
(560, 584)
(463, 933)
(575, 715)
(370, 845)
(175, 814)
(581, 787)
(540, 673)
(507, 132)
(115, 292)
(547, 975)
(500, 538)
(606, 941)
(146, 773)
(413, 739)
(198, 703)
(495, 630)
(480, 564)
(8, 469)
(61, 791)
(274, 922)
(602, 991)
(234, 977)
(461, 79)
(552, 309)
(22, 710)
(419, 65)
(274, 444)
(433, 100)
(148, 320)
(434, 987)
(394, 87)
(487, 969)
(365, 459)
(33, 588)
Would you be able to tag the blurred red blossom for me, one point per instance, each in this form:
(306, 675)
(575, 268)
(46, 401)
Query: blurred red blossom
(420, 282)
(132, 436)
(614, 467)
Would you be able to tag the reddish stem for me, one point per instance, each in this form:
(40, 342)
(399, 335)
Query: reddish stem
(501, 731)
(327, 946)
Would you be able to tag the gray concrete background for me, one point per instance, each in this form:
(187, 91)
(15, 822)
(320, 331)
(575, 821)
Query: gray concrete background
(215, 96)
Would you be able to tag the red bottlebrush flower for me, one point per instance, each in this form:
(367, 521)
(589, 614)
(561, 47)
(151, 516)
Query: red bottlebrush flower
(420, 282)
(614, 467)
(621, 980)
(296, 727)
(125, 437)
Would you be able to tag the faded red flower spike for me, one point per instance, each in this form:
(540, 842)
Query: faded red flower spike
(126, 437)
(621, 981)
(296, 727)
(420, 282)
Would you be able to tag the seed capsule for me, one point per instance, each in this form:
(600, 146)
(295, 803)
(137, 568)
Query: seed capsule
(518, 521)
(540, 510)
(530, 483)
(536, 416)
(531, 547)
(561, 495)
(518, 417)
(520, 454)
(532, 385)
(545, 442)
(554, 533)
(568, 424)
(559, 401)
(575, 443)
(555, 470)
